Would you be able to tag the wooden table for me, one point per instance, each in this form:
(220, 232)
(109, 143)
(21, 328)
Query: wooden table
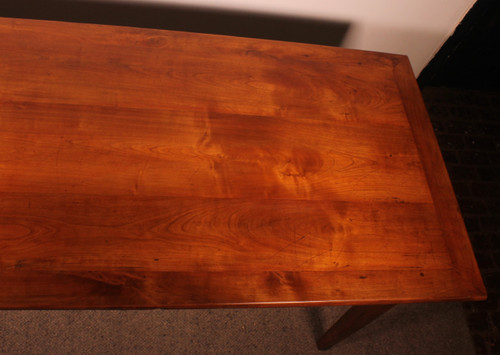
(143, 168)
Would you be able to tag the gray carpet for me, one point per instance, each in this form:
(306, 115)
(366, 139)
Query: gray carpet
(406, 329)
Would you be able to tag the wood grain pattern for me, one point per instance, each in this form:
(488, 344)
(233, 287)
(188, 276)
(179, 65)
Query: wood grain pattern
(146, 168)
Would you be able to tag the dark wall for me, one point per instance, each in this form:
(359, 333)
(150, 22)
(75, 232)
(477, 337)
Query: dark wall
(471, 57)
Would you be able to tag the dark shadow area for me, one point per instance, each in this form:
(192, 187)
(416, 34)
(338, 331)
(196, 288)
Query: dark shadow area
(468, 131)
(461, 89)
(191, 19)
(470, 58)
(315, 316)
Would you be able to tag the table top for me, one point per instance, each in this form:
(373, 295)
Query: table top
(149, 168)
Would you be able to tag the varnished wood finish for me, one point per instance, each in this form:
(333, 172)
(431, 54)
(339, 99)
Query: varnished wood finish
(351, 321)
(146, 168)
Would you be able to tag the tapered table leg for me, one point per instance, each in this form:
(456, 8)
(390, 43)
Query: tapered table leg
(353, 320)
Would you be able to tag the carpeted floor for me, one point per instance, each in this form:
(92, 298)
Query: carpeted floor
(406, 329)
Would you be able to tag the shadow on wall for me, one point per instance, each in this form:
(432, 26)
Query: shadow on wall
(180, 18)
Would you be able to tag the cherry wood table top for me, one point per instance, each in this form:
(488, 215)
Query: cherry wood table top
(148, 168)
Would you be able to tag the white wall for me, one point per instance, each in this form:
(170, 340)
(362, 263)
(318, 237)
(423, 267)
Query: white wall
(417, 28)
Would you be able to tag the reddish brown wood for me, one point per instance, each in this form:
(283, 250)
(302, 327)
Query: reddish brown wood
(447, 209)
(352, 321)
(146, 168)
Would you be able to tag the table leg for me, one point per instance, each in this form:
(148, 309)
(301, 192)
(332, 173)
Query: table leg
(353, 320)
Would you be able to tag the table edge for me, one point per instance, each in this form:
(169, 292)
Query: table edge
(441, 189)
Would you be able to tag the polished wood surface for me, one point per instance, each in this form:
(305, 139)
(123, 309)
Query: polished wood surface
(147, 168)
